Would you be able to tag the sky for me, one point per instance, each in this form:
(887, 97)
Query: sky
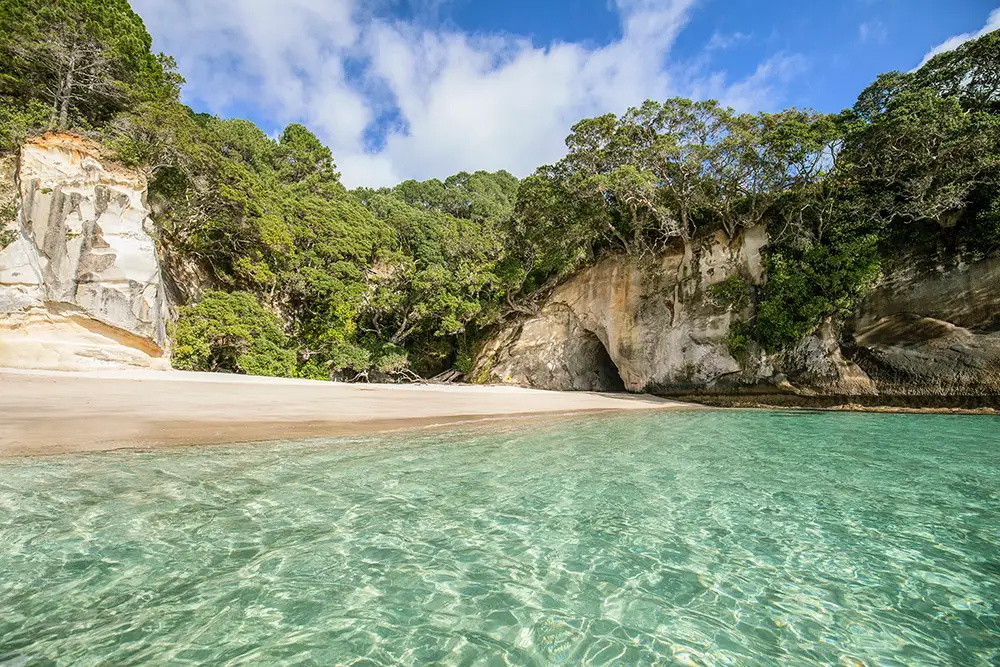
(426, 88)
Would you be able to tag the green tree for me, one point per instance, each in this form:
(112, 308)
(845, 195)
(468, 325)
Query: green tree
(442, 277)
(919, 146)
(970, 73)
(301, 156)
(234, 333)
(87, 59)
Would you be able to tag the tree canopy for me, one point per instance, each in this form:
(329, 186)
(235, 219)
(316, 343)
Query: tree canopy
(82, 60)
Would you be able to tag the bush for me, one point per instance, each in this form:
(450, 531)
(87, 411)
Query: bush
(982, 233)
(8, 223)
(733, 293)
(20, 119)
(804, 287)
(393, 362)
(232, 332)
(7, 236)
(791, 307)
(738, 339)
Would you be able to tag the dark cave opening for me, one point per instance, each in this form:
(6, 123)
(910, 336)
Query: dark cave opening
(608, 378)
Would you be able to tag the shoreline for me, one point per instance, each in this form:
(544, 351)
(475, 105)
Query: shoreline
(907, 405)
(62, 412)
(56, 412)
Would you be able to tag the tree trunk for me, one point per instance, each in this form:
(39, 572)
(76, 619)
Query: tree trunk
(54, 116)
(401, 332)
(67, 93)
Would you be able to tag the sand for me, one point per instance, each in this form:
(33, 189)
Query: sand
(55, 412)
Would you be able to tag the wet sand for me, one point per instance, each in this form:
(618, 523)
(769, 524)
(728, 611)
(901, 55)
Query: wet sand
(55, 412)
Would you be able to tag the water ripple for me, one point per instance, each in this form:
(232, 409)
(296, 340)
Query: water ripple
(710, 538)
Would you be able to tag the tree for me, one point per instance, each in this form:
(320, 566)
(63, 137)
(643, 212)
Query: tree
(231, 333)
(970, 73)
(915, 155)
(301, 156)
(88, 59)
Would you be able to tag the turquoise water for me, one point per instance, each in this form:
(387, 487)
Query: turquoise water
(699, 538)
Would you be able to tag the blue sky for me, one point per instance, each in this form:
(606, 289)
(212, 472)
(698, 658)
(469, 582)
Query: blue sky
(424, 88)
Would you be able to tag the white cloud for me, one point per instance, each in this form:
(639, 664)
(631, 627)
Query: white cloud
(873, 31)
(992, 23)
(464, 101)
(721, 42)
(759, 89)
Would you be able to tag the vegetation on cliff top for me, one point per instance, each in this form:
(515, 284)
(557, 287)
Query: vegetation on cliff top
(313, 280)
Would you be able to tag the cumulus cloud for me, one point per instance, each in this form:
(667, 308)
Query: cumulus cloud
(396, 99)
(992, 23)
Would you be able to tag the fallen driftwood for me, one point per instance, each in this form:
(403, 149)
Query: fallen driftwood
(449, 376)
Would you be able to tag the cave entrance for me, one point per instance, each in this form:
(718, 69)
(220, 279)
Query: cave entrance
(605, 375)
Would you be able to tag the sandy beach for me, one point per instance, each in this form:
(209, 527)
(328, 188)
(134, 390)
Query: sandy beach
(54, 412)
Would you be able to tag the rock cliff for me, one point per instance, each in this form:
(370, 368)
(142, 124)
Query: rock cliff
(654, 319)
(80, 281)
(81, 287)
(931, 329)
(658, 325)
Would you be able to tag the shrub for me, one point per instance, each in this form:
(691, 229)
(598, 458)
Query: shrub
(983, 231)
(393, 362)
(791, 308)
(738, 339)
(20, 119)
(733, 293)
(804, 287)
(232, 332)
(7, 236)
(8, 224)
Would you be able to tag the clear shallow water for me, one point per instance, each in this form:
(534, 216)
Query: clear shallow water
(710, 538)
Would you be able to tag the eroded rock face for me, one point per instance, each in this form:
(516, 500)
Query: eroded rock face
(555, 351)
(816, 366)
(656, 319)
(80, 285)
(932, 330)
(923, 331)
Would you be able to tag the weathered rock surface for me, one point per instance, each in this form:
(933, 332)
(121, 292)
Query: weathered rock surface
(80, 283)
(923, 331)
(656, 320)
(554, 350)
(932, 330)
(816, 366)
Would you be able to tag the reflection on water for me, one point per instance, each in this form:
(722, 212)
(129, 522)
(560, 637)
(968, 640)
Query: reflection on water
(701, 538)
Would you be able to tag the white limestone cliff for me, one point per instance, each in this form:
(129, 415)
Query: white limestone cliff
(80, 280)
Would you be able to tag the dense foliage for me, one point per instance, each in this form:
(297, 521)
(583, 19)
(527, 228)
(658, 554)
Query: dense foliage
(914, 171)
(74, 63)
(310, 279)
(362, 279)
(232, 332)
